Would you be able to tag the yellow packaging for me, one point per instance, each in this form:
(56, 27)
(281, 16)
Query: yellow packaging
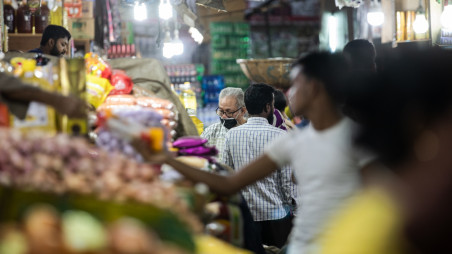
(199, 125)
(400, 26)
(73, 82)
(16, 62)
(97, 89)
(157, 138)
(39, 116)
(410, 17)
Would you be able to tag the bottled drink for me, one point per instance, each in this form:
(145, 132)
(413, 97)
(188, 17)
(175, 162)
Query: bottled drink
(9, 16)
(133, 50)
(188, 98)
(56, 13)
(24, 23)
(42, 18)
(123, 50)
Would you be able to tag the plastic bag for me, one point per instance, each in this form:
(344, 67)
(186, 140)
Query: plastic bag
(186, 142)
(96, 66)
(120, 99)
(199, 150)
(97, 89)
(154, 102)
(122, 83)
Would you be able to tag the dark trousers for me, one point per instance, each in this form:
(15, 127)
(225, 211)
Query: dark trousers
(252, 241)
(275, 232)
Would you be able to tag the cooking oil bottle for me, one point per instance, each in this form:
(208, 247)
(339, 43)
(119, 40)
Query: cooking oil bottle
(188, 98)
(56, 12)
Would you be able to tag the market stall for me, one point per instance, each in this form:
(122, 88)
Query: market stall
(79, 180)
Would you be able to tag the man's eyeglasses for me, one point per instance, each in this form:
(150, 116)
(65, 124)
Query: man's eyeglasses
(229, 114)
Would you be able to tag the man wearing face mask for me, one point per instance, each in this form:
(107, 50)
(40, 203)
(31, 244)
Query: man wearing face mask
(231, 110)
(267, 198)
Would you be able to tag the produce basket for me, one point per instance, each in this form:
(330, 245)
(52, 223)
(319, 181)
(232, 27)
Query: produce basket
(271, 71)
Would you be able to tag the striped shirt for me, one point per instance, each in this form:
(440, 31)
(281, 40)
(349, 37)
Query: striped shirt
(247, 142)
(215, 135)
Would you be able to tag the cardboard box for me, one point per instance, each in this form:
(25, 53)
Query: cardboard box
(73, 8)
(82, 28)
(87, 9)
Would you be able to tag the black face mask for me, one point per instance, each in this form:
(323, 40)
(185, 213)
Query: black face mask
(228, 122)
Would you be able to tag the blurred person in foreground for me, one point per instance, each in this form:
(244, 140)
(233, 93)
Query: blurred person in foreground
(54, 41)
(18, 95)
(326, 164)
(361, 54)
(407, 207)
(269, 199)
(231, 110)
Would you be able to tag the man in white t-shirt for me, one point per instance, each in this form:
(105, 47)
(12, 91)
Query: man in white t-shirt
(326, 165)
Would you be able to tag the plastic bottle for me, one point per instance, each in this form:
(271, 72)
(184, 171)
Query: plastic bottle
(9, 16)
(188, 98)
(56, 13)
(42, 17)
(24, 22)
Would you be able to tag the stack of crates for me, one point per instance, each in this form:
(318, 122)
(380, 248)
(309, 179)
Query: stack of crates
(230, 41)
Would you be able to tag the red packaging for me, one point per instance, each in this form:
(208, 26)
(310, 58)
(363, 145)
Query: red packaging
(123, 84)
(4, 115)
(73, 8)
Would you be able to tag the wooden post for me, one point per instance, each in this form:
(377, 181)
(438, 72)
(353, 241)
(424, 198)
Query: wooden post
(350, 24)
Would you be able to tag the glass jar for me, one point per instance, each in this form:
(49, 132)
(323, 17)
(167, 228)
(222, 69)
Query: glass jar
(24, 21)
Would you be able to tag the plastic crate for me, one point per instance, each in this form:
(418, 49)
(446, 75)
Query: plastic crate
(221, 28)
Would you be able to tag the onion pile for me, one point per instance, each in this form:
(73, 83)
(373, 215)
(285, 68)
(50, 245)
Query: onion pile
(164, 108)
(111, 143)
(61, 164)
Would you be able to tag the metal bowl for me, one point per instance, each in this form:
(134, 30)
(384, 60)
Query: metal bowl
(271, 71)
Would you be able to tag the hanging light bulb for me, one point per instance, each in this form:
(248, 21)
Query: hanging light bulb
(332, 32)
(178, 46)
(168, 50)
(165, 10)
(375, 16)
(196, 35)
(420, 24)
(446, 17)
(140, 11)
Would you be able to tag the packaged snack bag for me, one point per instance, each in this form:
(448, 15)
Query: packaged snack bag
(122, 83)
(97, 90)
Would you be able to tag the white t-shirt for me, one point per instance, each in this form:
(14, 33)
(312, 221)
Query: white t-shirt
(326, 166)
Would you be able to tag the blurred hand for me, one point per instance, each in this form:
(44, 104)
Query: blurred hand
(289, 124)
(142, 147)
(72, 106)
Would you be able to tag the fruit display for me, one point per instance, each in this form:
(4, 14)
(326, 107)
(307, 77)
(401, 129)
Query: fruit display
(60, 164)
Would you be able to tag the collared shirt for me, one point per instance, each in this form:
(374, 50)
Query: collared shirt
(215, 135)
(36, 50)
(327, 166)
(247, 142)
